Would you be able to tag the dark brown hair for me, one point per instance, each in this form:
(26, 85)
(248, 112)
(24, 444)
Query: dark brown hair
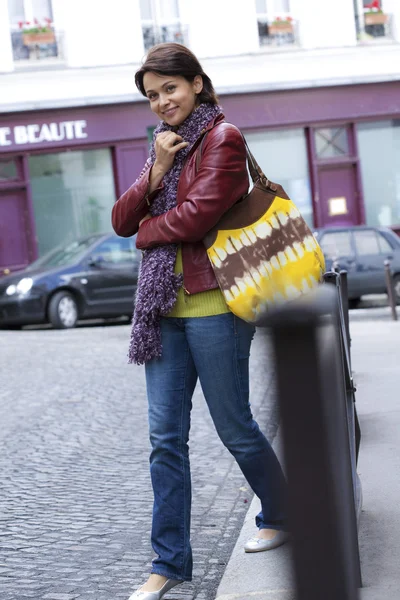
(175, 59)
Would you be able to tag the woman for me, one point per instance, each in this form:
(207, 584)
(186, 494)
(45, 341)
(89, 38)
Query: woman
(182, 329)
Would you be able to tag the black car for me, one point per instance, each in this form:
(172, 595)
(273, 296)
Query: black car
(362, 252)
(92, 277)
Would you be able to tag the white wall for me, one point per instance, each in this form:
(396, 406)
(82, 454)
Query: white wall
(222, 27)
(102, 33)
(6, 59)
(325, 25)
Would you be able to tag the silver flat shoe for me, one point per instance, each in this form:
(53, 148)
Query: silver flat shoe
(168, 585)
(256, 544)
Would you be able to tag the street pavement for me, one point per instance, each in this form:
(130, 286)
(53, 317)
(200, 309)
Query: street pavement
(75, 495)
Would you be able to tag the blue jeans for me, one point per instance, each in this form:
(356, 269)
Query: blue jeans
(216, 350)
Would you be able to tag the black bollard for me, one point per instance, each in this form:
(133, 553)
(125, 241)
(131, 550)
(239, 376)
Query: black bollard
(345, 303)
(312, 398)
(390, 290)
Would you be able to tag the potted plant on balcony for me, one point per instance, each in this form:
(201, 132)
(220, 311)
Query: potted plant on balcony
(374, 14)
(36, 33)
(281, 25)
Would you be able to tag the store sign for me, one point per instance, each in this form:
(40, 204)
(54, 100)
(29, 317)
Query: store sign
(46, 132)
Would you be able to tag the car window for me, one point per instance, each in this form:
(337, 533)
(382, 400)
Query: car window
(115, 251)
(336, 244)
(366, 242)
(384, 245)
(64, 254)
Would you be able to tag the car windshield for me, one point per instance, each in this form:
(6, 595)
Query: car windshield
(63, 255)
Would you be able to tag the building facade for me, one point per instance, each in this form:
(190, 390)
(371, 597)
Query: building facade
(317, 96)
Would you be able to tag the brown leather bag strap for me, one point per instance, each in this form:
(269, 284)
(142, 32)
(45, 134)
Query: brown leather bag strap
(255, 170)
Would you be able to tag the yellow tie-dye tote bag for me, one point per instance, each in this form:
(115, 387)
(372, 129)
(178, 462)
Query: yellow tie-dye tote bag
(262, 251)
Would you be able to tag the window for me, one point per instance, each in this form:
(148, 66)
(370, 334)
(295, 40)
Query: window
(331, 142)
(336, 244)
(161, 22)
(366, 243)
(384, 245)
(274, 151)
(32, 31)
(275, 23)
(115, 252)
(8, 170)
(26, 11)
(370, 242)
(73, 194)
(372, 22)
(379, 151)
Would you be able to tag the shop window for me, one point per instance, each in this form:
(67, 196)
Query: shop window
(373, 23)
(8, 171)
(150, 133)
(33, 34)
(331, 142)
(73, 194)
(161, 22)
(379, 152)
(274, 151)
(276, 25)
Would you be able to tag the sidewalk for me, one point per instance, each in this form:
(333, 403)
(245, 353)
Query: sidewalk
(376, 367)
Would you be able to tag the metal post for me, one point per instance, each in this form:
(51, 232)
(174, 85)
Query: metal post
(345, 303)
(339, 281)
(312, 399)
(390, 290)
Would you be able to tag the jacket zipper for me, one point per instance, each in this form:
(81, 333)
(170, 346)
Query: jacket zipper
(186, 292)
(185, 161)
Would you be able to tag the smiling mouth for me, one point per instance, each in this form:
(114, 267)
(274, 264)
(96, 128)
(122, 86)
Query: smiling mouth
(170, 111)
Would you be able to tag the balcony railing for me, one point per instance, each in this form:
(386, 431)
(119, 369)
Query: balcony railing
(276, 32)
(374, 27)
(36, 46)
(157, 34)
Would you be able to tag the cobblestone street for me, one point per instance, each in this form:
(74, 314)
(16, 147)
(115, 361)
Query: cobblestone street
(75, 499)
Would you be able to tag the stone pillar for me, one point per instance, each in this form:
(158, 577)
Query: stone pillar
(6, 57)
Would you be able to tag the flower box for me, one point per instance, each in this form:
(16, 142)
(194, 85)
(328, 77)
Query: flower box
(279, 28)
(32, 39)
(375, 18)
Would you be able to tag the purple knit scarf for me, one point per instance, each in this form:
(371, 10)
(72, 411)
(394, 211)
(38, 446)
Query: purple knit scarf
(158, 285)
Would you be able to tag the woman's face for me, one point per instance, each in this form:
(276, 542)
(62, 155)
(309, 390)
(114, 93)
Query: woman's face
(172, 98)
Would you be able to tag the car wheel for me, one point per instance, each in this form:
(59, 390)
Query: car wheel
(63, 310)
(396, 286)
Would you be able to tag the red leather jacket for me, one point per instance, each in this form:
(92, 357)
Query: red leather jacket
(203, 196)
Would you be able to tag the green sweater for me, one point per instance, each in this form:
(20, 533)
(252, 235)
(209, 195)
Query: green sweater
(203, 304)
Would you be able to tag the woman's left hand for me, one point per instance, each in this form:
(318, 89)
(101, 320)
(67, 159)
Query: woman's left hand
(148, 216)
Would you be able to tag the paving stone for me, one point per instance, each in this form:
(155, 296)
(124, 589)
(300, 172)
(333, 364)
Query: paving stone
(76, 500)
